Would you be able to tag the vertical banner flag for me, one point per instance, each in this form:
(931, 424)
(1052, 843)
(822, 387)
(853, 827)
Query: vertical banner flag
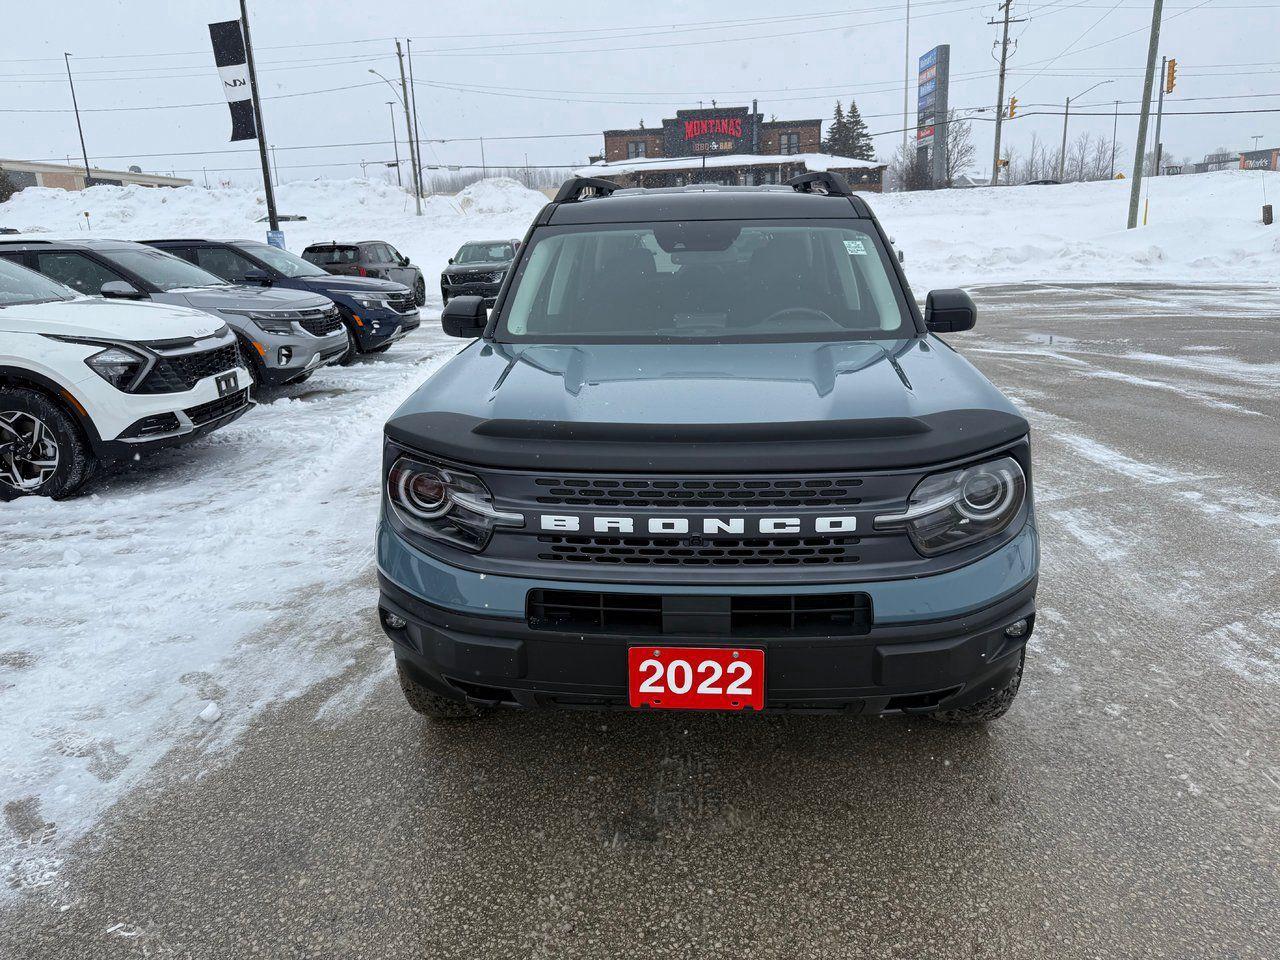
(231, 61)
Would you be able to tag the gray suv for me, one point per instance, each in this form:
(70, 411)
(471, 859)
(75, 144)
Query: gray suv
(284, 334)
(368, 258)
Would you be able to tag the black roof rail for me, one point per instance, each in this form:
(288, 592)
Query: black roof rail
(835, 184)
(574, 189)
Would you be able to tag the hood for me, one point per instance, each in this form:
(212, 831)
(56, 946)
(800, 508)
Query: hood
(246, 297)
(352, 284)
(886, 402)
(101, 319)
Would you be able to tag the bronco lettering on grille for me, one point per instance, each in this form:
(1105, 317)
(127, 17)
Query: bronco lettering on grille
(769, 526)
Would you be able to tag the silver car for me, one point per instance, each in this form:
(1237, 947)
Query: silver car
(285, 334)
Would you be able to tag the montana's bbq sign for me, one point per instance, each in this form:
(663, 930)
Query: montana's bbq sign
(718, 130)
(728, 126)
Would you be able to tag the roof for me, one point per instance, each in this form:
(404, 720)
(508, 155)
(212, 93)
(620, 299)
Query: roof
(812, 161)
(83, 243)
(709, 202)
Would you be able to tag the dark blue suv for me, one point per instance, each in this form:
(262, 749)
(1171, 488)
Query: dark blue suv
(377, 313)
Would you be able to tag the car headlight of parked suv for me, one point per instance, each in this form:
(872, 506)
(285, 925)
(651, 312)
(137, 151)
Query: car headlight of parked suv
(444, 504)
(266, 321)
(119, 366)
(372, 301)
(951, 510)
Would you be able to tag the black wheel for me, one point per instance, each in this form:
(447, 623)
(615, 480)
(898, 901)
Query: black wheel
(42, 452)
(420, 292)
(352, 350)
(991, 707)
(432, 705)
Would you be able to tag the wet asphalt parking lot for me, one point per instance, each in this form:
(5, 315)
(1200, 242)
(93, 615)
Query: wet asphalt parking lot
(1128, 805)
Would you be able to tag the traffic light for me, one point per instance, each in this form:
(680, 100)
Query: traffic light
(1170, 75)
(1013, 107)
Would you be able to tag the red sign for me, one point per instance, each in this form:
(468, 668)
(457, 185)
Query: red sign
(730, 126)
(924, 132)
(696, 678)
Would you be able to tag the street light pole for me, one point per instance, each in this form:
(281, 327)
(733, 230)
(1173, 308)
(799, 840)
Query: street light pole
(67, 59)
(1115, 126)
(394, 141)
(408, 125)
(1159, 117)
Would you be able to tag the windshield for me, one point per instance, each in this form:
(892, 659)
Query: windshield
(710, 281)
(20, 285)
(485, 253)
(290, 264)
(160, 269)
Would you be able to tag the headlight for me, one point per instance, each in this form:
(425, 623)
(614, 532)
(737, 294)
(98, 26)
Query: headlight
(445, 504)
(951, 510)
(118, 366)
(372, 301)
(281, 326)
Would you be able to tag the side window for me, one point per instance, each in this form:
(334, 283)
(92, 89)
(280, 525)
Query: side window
(369, 253)
(75, 270)
(384, 253)
(392, 253)
(224, 263)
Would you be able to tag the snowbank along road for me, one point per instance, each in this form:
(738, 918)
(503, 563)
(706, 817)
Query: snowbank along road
(203, 752)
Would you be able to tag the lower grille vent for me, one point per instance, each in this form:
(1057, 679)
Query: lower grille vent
(764, 616)
(665, 551)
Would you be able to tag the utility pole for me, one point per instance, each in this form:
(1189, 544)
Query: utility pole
(67, 59)
(906, 86)
(275, 164)
(413, 97)
(1115, 126)
(273, 220)
(1004, 57)
(484, 168)
(408, 126)
(1062, 157)
(395, 141)
(1135, 189)
(1164, 65)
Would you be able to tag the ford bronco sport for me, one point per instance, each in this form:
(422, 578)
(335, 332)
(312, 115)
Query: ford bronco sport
(706, 452)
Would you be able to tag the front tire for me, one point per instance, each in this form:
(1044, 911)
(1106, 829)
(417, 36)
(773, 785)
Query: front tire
(352, 351)
(991, 707)
(42, 452)
(420, 292)
(432, 705)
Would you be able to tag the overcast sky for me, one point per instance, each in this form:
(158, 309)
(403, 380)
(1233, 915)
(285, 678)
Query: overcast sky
(571, 68)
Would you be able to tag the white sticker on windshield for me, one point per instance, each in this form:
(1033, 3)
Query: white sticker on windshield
(855, 247)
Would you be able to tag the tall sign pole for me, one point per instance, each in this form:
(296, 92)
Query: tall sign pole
(273, 220)
(906, 84)
(1135, 189)
(84, 152)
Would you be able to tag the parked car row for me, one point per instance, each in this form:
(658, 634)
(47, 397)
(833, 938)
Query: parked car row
(110, 348)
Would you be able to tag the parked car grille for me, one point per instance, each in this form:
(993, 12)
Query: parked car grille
(764, 615)
(780, 492)
(485, 277)
(402, 304)
(321, 323)
(214, 409)
(671, 552)
(177, 373)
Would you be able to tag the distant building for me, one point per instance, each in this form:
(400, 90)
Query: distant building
(725, 145)
(1217, 161)
(60, 176)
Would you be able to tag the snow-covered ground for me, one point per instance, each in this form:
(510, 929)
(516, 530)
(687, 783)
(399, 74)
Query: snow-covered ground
(155, 611)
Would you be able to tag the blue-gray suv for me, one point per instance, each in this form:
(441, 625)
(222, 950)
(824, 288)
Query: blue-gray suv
(705, 452)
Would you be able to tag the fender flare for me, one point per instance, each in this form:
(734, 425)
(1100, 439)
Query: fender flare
(60, 394)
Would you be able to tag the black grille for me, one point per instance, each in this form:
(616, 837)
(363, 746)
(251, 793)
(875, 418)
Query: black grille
(666, 551)
(769, 615)
(176, 374)
(607, 492)
(402, 304)
(208, 412)
(323, 324)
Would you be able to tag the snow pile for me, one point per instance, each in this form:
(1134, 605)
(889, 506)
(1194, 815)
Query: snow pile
(1201, 228)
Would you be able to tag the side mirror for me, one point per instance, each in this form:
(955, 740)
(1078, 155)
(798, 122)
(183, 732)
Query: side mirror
(464, 317)
(451, 259)
(256, 275)
(902, 257)
(949, 311)
(121, 290)
(406, 262)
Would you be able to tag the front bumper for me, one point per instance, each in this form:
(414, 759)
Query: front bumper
(304, 354)
(166, 420)
(379, 327)
(935, 642)
(487, 290)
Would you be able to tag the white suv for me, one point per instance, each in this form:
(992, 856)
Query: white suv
(86, 381)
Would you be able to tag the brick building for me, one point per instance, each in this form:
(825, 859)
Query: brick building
(727, 145)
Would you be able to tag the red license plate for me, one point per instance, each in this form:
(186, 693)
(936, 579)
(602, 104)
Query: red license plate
(696, 678)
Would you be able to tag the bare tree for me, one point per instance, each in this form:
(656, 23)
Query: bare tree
(909, 171)
(960, 148)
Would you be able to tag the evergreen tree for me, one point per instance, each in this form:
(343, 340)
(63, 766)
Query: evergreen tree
(836, 132)
(857, 138)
